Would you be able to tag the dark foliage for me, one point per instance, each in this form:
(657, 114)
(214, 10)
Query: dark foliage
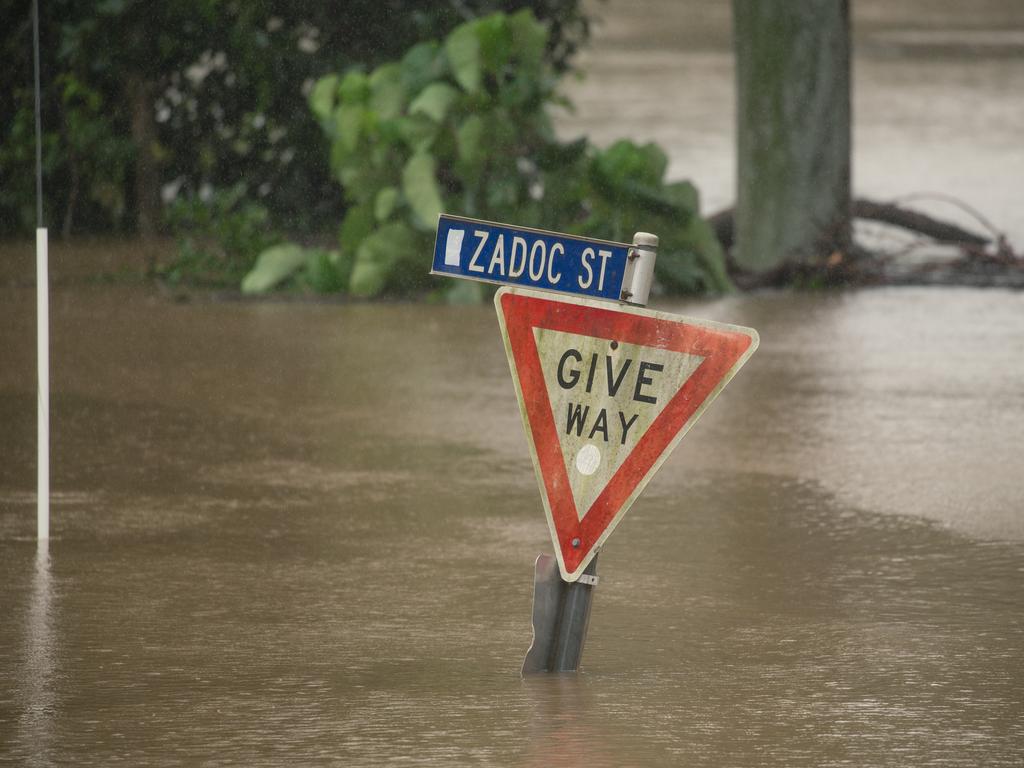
(145, 103)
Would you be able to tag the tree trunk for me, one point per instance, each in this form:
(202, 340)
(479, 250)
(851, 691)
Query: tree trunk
(147, 171)
(793, 87)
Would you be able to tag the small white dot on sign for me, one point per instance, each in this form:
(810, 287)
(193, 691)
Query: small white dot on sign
(588, 459)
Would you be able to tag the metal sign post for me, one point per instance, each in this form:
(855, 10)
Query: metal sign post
(561, 609)
(605, 392)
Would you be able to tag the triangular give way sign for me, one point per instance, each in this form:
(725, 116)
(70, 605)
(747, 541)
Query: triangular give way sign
(606, 392)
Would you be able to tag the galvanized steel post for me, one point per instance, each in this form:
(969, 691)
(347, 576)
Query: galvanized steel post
(574, 618)
(640, 270)
(561, 609)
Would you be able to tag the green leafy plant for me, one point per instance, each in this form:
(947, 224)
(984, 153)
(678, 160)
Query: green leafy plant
(319, 269)
(465, 126)
(98, 158)
(184, 93)
(219, 235)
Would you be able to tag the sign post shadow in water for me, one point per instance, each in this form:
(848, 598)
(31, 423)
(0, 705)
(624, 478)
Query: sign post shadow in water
(606, 391)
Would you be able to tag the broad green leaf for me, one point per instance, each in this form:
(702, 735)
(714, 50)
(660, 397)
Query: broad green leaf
(419, 184)
(387, 94)
(655, 163)
(529, 37)
(677, 271)
(343, 262)
(389, 131)
(339, 158)
(272, 266)
(683, 194)
(502, 193)
(502, 132)
(462, 48)
(322, 273)
(434, 101)
(553, 155)
(651, 199)
(389, 245)
(321, 99)
(418, 131)
(363, 180)
(348, 121)
(358, 223)
(354, 88)
(368, 278)
(469, 140)
(625, 161)
(385, 203)
(495, 41)
(703, 240)
(423, 64)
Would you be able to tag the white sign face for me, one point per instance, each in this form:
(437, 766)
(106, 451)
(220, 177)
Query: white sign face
(604, 396)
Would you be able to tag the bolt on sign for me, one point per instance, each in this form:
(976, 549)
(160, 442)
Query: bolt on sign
(606, 392)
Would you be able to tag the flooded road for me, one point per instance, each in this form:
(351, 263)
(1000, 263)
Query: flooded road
(302, 534)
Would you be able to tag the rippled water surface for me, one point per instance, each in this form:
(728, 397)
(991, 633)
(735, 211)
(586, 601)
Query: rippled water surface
(300, 534)
(296, 533)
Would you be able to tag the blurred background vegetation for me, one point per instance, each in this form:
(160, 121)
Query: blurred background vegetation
(295, 146)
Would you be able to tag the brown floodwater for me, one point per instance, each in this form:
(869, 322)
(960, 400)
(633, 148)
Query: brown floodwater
(293, 533)
(300, 533)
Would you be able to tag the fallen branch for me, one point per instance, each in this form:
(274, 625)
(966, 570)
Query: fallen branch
(983, 260)
(941, 231)
(723, 223)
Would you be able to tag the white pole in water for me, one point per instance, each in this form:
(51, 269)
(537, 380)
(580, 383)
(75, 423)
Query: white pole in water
(43, 353)
(42, 318)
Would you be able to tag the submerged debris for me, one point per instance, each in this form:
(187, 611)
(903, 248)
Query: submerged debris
(896, 245)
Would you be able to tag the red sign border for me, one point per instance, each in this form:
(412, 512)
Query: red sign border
(724, 348)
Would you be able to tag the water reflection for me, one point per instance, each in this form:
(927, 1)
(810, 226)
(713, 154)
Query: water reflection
(335, 562)
(561, 731)
(36, 723)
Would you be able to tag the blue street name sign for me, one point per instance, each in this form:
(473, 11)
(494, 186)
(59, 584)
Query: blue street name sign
(499, 253)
